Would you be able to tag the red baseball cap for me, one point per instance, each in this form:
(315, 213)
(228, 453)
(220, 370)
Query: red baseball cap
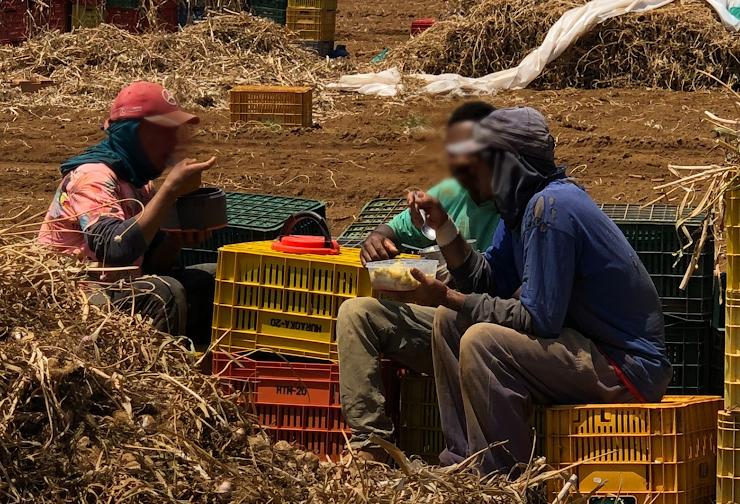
(152, 102)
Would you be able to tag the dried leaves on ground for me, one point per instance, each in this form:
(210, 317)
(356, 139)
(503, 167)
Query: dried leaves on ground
(199, 64)
(96, 406)
(665, 48)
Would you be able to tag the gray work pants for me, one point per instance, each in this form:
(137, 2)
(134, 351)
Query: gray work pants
(179, 303)
(366, 329)
(489, 378)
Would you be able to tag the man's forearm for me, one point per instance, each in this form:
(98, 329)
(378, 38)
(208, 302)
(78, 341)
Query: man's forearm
(150, 219)
(387, 231)
(456, 252)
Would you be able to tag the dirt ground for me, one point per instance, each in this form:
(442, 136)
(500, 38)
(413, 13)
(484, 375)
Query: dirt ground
(616, 142)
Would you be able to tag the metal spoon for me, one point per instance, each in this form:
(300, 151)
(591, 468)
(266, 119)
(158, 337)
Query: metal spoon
(426, 230)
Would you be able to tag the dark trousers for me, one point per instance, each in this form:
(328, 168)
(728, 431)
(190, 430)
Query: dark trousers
(489, 378)
(179, 303)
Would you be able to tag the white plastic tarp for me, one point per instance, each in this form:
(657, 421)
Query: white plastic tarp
(562, 34)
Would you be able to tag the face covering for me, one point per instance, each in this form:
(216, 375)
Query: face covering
(121, 151)
(515, 180)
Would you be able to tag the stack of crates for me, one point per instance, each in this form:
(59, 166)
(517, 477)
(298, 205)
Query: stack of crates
(286, 304)
(314, 21)
(728, 445)
(253, 217)
(272, 105)
(662, 453)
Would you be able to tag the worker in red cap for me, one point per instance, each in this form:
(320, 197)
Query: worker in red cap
(107, 211)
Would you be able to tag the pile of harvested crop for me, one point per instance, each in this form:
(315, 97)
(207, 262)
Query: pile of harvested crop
(96, 406)
(663, 48)
(199, 64)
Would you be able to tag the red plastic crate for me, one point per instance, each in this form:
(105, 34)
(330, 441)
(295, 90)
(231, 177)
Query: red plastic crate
(268, 382)
(13, 22)
(125, 19)
(421, 25)
(297, 402)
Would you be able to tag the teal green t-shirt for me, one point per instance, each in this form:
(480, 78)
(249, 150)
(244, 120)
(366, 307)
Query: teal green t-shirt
(475, 222)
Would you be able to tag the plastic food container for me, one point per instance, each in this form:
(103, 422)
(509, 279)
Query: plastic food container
(395, 274)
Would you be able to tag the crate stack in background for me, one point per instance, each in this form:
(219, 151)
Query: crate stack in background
(314, 21)
(728, 424)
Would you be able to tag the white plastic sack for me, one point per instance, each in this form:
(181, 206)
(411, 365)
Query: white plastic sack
(566, 30)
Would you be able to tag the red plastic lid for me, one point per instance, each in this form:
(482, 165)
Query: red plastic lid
(298, 244)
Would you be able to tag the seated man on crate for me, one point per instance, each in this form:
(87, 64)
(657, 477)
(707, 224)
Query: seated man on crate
(368, 328)
(107, 211)
(559, 310)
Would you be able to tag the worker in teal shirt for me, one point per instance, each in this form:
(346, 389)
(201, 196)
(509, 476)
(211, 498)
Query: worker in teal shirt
(459, 196)
(368, 327)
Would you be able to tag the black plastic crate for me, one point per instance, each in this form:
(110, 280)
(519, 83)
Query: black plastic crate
(276, 15)
(717, 363)
(254, 217)
(689, 347)
(373, 214)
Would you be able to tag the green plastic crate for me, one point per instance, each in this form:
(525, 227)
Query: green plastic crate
(652, 233)
(420, 430)
(376, 212)
(269, 4)
(253, 217)
(275, 15)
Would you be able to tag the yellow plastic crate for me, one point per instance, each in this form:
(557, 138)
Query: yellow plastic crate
(84, 16)
(287, 106)
(732, 238)
(662, 453)
(313, 4)
(728, 457)
(312, 24)
(267, 299)
(732, 348)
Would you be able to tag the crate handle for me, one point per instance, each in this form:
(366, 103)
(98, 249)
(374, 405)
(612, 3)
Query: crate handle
(294, 219)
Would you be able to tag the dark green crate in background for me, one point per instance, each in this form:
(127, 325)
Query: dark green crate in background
(275, 15)
(253, 217)
(123, 4)
(689, 348)
(373, 214)
(420, 430)
(652, 233)
(269, 4)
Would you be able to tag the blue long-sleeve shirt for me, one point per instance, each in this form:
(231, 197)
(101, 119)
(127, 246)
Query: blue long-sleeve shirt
(577, 270)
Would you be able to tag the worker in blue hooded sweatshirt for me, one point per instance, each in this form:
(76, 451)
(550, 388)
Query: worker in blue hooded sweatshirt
(559, 310)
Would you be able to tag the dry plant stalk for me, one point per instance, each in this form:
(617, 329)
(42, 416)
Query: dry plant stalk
(199, 64)
(704, 188)
(663, 48)
(97, 406)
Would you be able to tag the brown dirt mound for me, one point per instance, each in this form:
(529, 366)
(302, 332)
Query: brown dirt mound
(664, 48)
